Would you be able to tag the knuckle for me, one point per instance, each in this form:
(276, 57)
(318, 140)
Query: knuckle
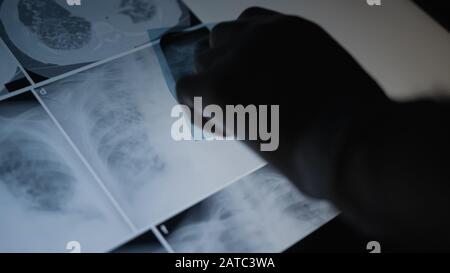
(302, 22)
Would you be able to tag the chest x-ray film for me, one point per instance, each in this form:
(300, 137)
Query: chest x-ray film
(87, 155)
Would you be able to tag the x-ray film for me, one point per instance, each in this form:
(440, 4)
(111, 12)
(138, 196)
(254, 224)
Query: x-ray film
(176, 52)
(122, 127)
(50, 38)
(262, 212)
(47, 196)
(87, 155)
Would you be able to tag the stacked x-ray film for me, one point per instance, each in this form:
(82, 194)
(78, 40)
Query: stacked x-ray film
(85, 146)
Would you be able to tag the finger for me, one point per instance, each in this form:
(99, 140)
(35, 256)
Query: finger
(226, 32)
(190, 87)
(257, 11)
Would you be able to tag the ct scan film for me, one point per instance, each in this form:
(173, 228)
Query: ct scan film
(49, 37)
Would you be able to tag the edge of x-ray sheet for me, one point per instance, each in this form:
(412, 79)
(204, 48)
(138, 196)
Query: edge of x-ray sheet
(402, 47)
(165, 67)
(154, 42)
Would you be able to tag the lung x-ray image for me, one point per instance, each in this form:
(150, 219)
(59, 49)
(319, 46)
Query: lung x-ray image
(122, 128)
(47, 195)
(262, 212)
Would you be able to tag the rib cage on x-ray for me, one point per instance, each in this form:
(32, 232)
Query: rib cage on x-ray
(120, 141)
(47, 195)
(118, 130)
(118, 116)
(262, 212)
(111, 126)
(31, 166)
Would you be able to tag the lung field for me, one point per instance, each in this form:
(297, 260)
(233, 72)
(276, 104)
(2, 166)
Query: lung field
(54, 25)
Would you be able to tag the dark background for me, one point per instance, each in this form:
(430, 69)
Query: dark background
(338, 235)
